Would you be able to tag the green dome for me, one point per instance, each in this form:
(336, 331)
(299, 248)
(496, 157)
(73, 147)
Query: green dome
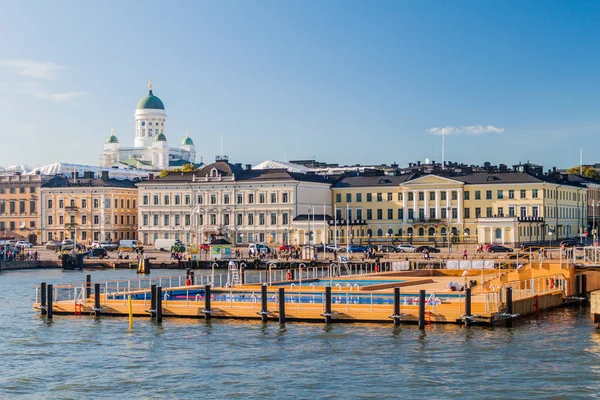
(150, 102)
(112, 138)
(160, 138)
(187, 140)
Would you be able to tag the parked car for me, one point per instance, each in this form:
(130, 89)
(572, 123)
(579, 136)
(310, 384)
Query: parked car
(109, 246)
(430, 249)
(257, 248)
(286, 247)
(23, 244)
(204, 246)
(496, 248)
(69, 247)
(52, 245)
(571, 242)
(67, 242)
(97, 253)
(356, 248)
(96, 245)
(334, 247)
(406, 248)
(386, 248)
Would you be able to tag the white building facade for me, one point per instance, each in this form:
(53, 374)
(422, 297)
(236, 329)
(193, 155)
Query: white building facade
(150, 149)
(245, 205)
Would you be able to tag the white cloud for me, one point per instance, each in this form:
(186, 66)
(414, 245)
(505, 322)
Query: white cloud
(55, 97)
(33, 68)
(465, 130)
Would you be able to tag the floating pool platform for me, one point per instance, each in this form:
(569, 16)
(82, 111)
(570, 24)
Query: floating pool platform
(486, 297)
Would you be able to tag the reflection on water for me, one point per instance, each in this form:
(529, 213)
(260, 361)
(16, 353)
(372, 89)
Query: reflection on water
(81, 356)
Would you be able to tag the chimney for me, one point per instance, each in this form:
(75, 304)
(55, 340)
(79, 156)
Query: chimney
(104, 175)
(248, 167)
(418, 162)
(88, 174)
(150, 177)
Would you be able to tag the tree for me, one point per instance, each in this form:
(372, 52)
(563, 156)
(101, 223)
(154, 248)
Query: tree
(163, 173)
(588, 172)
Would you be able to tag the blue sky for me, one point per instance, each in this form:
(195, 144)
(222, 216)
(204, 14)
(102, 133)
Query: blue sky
(343, 81)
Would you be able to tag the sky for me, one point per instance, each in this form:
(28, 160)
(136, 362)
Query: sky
(345, 82)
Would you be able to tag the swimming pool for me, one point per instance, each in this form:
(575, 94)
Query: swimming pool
(335, 282)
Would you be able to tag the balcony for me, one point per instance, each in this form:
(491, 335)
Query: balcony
(531, 219)
(71, 225)
(71, 209)
(352, 222)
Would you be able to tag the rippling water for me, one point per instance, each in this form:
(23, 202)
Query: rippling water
(557, 356)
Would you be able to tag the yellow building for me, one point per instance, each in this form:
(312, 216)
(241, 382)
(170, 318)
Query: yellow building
(89, 209)
(20, 206)
(481, 207)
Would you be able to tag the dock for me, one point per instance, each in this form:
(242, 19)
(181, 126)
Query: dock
(332, 294)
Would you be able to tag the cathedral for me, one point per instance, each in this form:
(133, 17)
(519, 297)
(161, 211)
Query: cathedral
(150, 149)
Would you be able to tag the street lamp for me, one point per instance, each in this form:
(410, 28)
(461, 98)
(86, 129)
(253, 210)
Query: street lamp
(594, 229)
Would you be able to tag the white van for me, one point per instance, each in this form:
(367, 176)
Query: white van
(166, 244)
(129, 245)
(257, 248)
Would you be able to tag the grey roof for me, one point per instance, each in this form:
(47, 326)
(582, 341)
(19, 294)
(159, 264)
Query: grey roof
(317, 217)
(241, 175)
(496, 177)
(60, 181)
(369, 181)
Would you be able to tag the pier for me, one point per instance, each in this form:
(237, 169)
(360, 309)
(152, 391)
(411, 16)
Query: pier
(331, 294)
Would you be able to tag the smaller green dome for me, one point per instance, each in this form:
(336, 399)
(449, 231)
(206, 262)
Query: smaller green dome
(112, 138)
(187, 140)
(160, 138)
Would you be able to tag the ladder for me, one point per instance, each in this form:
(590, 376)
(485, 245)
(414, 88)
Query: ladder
(234, 276)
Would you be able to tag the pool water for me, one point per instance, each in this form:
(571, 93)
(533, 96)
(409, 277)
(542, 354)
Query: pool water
(335, 282)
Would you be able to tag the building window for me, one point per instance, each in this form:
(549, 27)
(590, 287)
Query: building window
(240, 198)
(477, 212)
(421, 196)
(444, 195)
(511, 211)
(261, 218)
(200, 199)
(369, 214)
(84, 220)
(285, 219)
(380, 214)
(359, 213)
(145, 220)
(467, 213)
(369, 197)
(83, 203)
(273, 198)
(379, 197)
(177, 220)
(155, 200)
(534, 194)
(466, 194)
(411, 196)
(285, 197)
(411, 213)
(454, 195)
(212, 219)
(261, 198)
(226, 198)
(500, 211)
(273, 218)
(431, 212)
(49, 204)
(488, 195)
(390, 213)
(21, 190)
(535, 212)
(421, 213)
(390, 196)
(177, 200)
(239, 219)
(523, 193)
(523, 211)
(400, 213)
(338, 197)
(213, 199)
(358, 197)
(250, 198)
(488, 212)
(32, 207)
(166, 220)
(432, 196)
(155, 220)
(478, 195)
(511, 194)
(50, 221)
(226, 219)
(61, 203)
(444, 213)
(348, 197)
(250, 219)
(500, 194)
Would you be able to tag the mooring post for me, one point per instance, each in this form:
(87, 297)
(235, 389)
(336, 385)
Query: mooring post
(421, 309)
(152, 301)
(88, 286)
(263, 299)
(97, 297)
(281, 305)
(584, 286)
(328, 304)
(468, 306)
(578, 285)
(158, 304)
(43, 300)
(242, 275)
(207, 310)
(49, 306)
(192, 277)
(396, 315)
(509, 306)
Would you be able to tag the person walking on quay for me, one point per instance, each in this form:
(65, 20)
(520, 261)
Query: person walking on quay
(464, 254)
(450, 248)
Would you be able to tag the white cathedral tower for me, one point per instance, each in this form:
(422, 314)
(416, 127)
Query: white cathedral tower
(150, 148)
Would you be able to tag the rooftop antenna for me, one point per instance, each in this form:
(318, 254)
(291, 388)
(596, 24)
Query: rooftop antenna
(443, 147)
(580, 161)
(221, 145)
